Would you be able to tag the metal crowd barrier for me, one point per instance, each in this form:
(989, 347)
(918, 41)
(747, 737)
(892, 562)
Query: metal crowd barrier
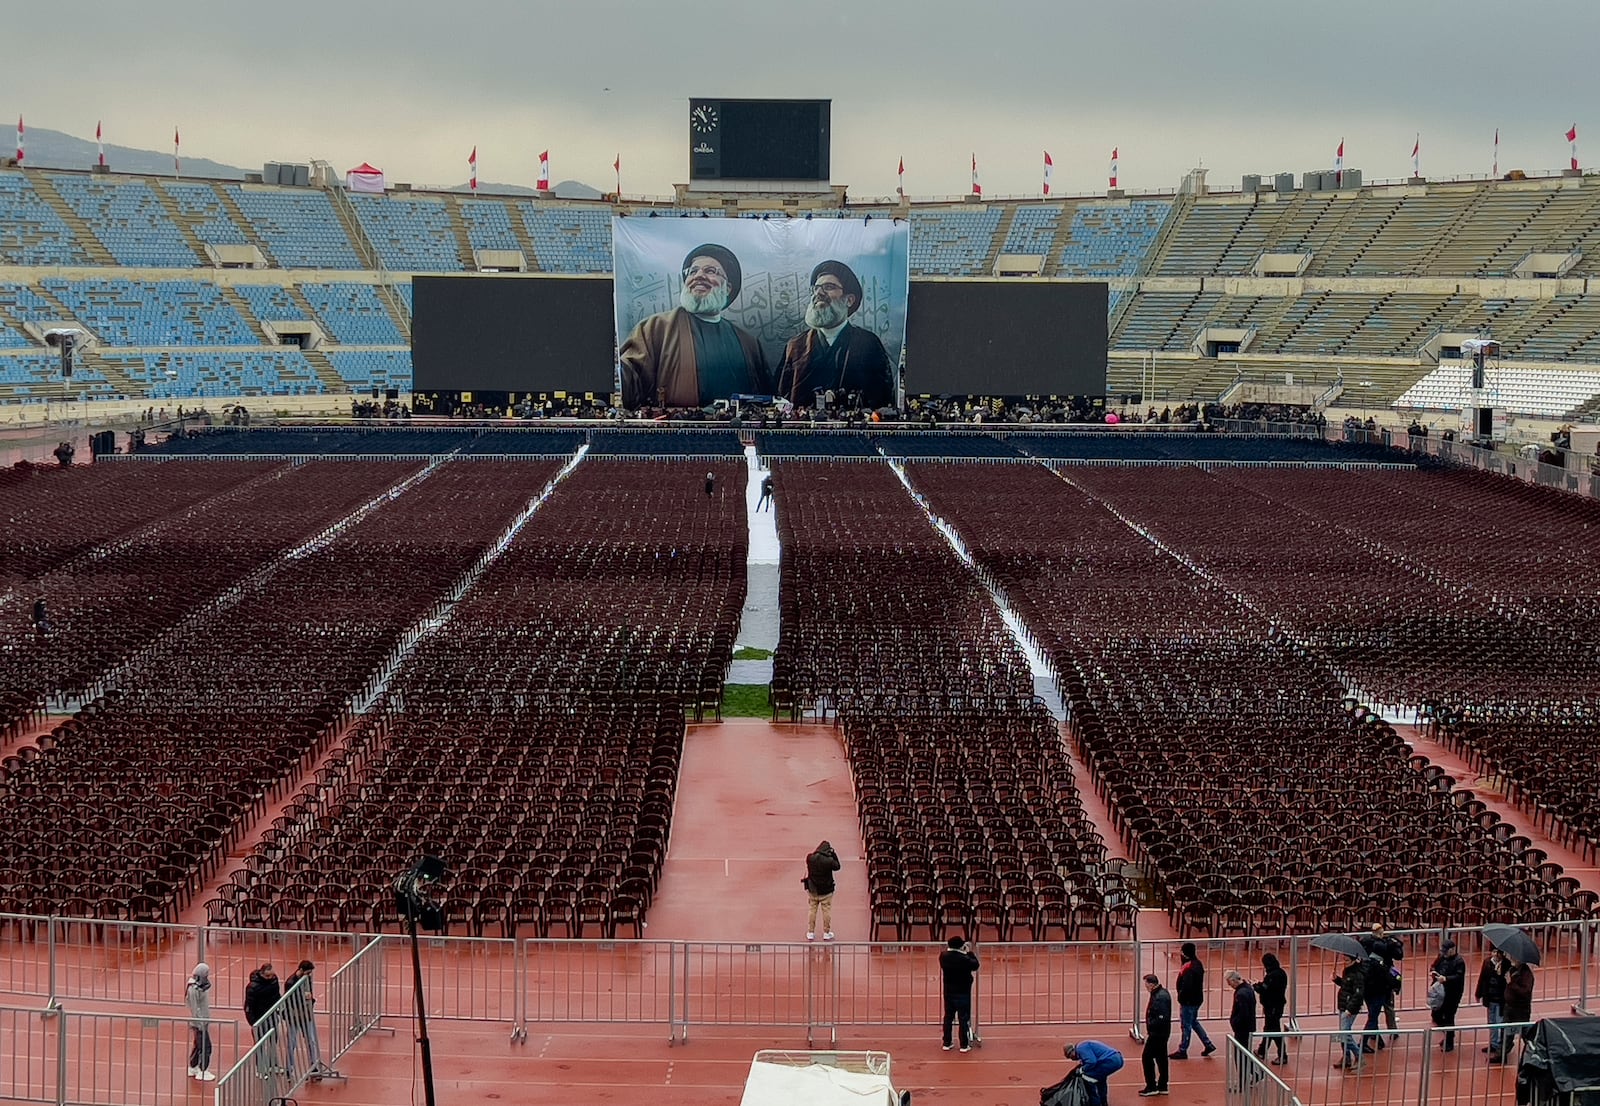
(1412, 1068)
(59, 1056)
(685, 984)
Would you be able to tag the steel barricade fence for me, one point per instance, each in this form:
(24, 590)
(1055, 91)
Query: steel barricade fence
(1411, 1068)
(597, 981)
(1056, 984)
(258, 1077)
(25, 955)
(119, 1059)
(115, 961)
(33, 1045)
(463, 978)
(354, 998)
(234, 952)
(1251, 1082)
(742, 984)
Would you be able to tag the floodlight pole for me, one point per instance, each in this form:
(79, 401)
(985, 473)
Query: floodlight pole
(408, 889)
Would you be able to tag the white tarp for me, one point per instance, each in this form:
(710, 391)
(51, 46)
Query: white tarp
(786, 1083)
(364, 178)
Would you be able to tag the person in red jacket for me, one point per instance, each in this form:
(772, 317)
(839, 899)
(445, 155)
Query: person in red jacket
(1191, 993)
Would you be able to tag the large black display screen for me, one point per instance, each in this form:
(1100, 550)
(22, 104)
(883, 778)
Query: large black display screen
(512, 334)
(759, 140)
(1006, 338)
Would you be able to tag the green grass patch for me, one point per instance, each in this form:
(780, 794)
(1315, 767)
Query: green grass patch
(751, 653)
(746, 701)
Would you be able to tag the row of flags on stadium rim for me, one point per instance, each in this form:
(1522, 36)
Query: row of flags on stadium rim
(543, 183)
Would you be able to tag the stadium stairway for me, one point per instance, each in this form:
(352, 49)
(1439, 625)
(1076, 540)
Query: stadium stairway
(96, 250)
(325, 371)
(1008, 215)
(458, 227)
(241, 220)
(233, 299)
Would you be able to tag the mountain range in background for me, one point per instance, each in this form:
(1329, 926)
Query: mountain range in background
(47, 149)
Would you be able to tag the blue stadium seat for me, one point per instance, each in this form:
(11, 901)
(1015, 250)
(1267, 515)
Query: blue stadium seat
(373, 368)
(151, 313)
(31, 233)
(570, 239)
(271, 303)
(1111, 240)
(352, 314)
(211, 375)
(952, 243)
(37, 376)
(1033, 229)
(198, 202)
(297, 226)
(23, 305)
(411, 236)
(489, 225)
(128, 218)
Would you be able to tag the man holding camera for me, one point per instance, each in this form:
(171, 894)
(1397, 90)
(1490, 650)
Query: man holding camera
(958, 963)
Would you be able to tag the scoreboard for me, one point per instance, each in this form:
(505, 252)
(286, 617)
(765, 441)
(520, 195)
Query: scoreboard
(759, 140)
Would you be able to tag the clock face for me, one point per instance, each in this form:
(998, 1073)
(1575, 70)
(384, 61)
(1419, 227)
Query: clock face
(703, 119)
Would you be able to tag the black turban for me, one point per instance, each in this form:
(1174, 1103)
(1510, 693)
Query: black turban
(722, 256)
(852, 286)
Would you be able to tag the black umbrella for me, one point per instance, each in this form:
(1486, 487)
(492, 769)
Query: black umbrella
(1513, 942)
(1342, 943)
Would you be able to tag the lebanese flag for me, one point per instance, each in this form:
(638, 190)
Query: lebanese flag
(21, 131)
(1572, 141)
(472, 164)
(901, 174)
(543, 183)
(1416, 157)
(977, 189)
(1114, 166)
(1338, 165)
(1494, 172)
(177, 165)
(1048, 166)
(617, 165)
(99, 142)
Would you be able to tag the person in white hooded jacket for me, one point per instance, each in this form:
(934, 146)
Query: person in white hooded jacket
(198, 996)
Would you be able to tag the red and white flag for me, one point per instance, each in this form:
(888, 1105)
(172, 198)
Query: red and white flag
(21, 145)
(1572, 143)
(543, 183)
(472, 166)
(1048, 166)
(1416, 157)
(977, 189)
(1338, 165)
(1494, 171)
(100, 142)
(1114, 166)
(177, 165)
(617, 165)
(900, 189)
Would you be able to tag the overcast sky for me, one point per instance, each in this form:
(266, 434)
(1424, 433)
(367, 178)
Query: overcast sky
(412, 85)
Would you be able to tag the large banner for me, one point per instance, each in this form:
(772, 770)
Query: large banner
(711, 308)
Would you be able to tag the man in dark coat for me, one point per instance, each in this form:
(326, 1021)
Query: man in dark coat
(1191, 988)
(821, 863)
(1391, 949)
(1157, 1032)
(1242, 1016)
(1450, 969)
(261, 994)
(832, 354)
(957, 965)
(1274, 992)
(1491, 991)
(691, 355)
(1519, 1001)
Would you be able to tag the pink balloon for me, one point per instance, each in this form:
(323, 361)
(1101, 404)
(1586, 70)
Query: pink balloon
(1113, 418)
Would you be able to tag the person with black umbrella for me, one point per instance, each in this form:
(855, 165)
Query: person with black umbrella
(1491, 992)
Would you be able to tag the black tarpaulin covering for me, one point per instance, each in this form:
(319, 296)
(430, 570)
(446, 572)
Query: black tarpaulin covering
(1562, 1058)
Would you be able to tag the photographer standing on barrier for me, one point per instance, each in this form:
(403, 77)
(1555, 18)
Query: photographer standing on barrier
(958, 964)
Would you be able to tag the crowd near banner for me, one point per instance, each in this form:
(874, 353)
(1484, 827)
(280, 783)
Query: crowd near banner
(707, 310)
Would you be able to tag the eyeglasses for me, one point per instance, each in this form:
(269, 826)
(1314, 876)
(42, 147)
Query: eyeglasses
(831, 289)
(705, 270)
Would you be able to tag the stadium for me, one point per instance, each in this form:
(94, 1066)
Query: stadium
(1273, 623)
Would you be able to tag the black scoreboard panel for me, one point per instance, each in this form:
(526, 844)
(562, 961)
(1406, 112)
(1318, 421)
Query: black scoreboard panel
(1006, 338)
(759, 140)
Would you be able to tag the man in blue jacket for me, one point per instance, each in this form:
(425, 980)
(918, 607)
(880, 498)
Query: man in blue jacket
(1097, 1062)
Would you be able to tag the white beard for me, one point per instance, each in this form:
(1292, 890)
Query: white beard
(709, 306)
(826, 318)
